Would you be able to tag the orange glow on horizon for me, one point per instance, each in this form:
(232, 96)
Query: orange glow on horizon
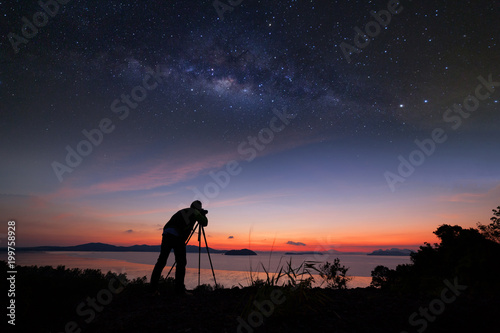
(260, 230)
(222, 243)
(266, 246)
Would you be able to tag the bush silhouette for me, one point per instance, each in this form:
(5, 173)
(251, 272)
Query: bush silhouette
(492, 230)
(381, 277)
(44, 291)
(334, 274)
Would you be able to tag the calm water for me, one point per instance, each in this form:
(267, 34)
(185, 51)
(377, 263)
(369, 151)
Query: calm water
(229, 270)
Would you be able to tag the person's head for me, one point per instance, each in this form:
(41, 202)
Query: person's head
(197, 205)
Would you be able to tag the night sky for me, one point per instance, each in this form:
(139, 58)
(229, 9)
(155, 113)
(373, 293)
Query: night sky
(294, 131)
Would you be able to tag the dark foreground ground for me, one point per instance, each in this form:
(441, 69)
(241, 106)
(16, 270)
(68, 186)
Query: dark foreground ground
(74, 301)
(316, 310)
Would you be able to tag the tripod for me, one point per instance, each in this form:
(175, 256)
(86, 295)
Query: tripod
(201, 231)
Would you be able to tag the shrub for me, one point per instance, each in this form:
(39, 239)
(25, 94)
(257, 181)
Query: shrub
(380, 277)
(334, 274)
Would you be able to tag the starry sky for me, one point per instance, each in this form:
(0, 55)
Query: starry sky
(301, 125)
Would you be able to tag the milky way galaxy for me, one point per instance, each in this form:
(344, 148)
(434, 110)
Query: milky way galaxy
(114, 113)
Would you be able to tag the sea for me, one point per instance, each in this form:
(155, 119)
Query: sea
(228, 271)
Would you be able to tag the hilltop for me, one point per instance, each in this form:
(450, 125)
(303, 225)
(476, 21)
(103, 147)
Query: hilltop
(391, 252)
(58, 299)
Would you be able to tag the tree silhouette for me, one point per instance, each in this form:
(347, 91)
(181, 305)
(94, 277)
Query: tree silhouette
(334, 274)
(470, 255)
(492, 230)
(381, 276)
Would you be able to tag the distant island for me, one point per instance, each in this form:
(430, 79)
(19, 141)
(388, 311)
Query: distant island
(391, 252)
(243, 252)
(329, 252)
(304, 253)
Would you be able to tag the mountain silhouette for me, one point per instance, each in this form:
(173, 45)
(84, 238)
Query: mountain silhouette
(102, 247)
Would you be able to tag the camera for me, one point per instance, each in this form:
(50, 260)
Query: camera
(204, 211)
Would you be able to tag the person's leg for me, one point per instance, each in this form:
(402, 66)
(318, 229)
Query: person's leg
(166, 247)
(180, 270)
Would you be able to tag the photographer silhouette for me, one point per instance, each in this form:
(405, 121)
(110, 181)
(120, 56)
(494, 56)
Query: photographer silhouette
(175, 233)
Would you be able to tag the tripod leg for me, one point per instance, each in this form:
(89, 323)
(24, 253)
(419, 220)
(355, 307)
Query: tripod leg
(187, 241)
(171, 268)
(208, 252)
(192, 233)
(199, 253)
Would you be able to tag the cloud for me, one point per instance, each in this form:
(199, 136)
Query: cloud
(129, 231)
(295, 243)
(474, 197)
(230, 237)
(148, 175)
